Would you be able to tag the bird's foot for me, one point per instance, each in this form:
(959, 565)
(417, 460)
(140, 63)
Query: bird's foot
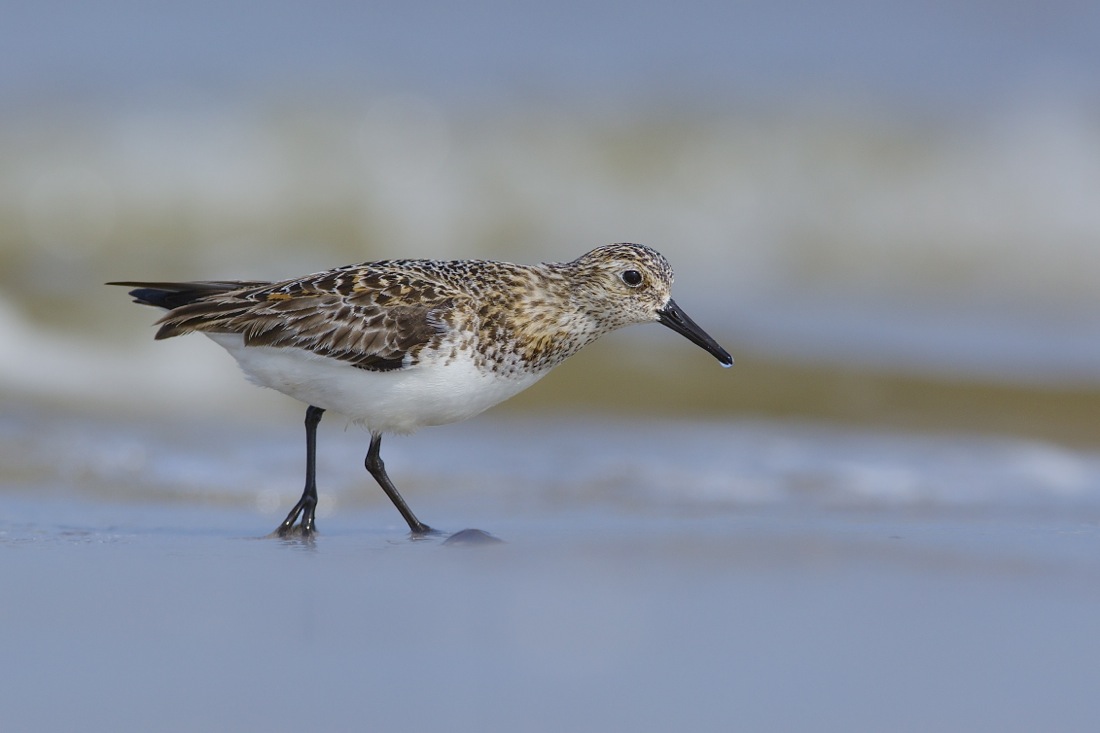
(296, 532)
(292, 528)
(422, 532)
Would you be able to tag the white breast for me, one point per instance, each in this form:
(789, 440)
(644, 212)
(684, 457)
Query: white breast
(398, 401)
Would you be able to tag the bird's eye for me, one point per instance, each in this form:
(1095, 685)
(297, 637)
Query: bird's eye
(633, 278)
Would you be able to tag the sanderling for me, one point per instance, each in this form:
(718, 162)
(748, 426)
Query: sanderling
(398, 345)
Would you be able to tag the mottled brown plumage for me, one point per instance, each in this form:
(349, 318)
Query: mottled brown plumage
(400, 344)
(381, 315)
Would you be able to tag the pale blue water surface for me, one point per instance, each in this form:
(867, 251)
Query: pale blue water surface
(905, 188)
(655, 575)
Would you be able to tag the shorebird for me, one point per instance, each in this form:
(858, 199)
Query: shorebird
(397, 345)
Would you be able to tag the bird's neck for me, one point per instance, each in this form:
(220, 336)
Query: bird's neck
(548, 322)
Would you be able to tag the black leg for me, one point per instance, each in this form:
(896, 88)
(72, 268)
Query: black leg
(307, 505)
(378, 470)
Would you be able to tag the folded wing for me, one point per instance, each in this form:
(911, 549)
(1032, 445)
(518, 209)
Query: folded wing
(372, 319)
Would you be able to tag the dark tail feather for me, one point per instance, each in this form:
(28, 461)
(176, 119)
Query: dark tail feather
(173, 295)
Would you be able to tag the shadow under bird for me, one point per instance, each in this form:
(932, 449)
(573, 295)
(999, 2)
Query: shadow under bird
(397, 345)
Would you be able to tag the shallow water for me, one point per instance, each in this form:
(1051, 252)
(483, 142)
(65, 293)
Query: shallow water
(641, 464)
(655, 575)
(887, 214)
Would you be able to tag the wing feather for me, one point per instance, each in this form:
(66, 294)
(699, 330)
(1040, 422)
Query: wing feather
(374, 318)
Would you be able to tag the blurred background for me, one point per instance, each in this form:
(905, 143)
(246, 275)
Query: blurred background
(884, 517)
(889, 212)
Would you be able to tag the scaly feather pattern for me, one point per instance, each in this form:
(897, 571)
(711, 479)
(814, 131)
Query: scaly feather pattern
(400, 344)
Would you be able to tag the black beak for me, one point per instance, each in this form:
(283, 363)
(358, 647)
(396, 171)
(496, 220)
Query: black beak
(675, 318)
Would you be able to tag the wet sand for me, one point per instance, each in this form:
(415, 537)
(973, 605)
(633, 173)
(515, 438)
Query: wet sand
(619, 600)
(150, 618)
(898, 247)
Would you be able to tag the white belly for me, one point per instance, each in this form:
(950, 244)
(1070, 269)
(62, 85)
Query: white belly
(398, 401)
